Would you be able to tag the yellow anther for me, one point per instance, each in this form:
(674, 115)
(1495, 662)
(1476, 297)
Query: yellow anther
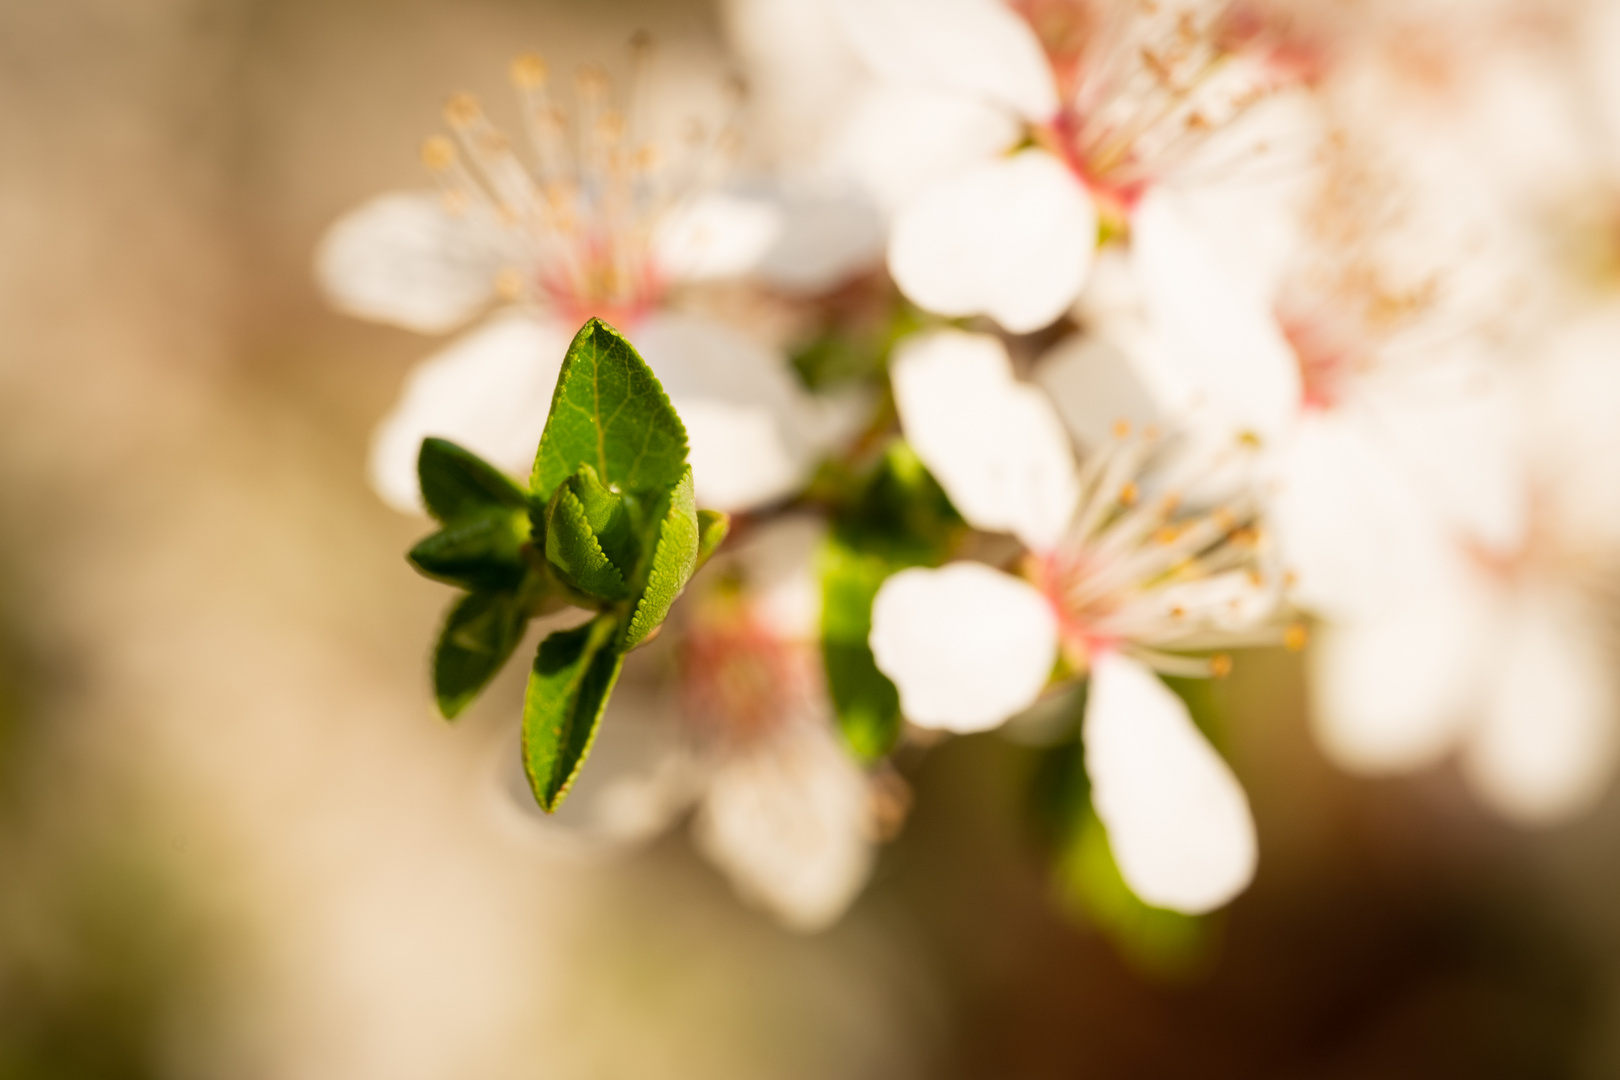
(1225, 520)
(1122, 428)
(1245, 537)
(1249, 439)
(1296, 637)
(1220, 665)
(529, 72)
(1178, 612)
(438, 153)
(509, 283)
(1129, 494)
(1290, 579)
(462, 110)
(1167, 534)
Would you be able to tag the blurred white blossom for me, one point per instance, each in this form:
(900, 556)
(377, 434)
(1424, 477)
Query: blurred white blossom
(597, 218)
(1505, 652)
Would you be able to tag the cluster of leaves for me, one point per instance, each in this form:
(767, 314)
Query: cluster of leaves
(608, 523)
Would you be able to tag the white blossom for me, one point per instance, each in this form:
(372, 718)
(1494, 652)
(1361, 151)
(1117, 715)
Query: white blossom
(1027, 128)
(1122, 571)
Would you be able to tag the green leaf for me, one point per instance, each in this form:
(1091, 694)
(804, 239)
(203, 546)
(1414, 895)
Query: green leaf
(479, 550)
(609, 412)
(674, 560)
(713, 527)
(865, 701)
(574, 672)
(899, 517)
(573, 543)
(479, 634)
(456, 482)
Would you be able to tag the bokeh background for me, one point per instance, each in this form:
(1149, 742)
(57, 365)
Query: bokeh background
(235, 841)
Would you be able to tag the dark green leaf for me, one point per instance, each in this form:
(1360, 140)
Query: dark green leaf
(479, 550)
(479, 634)
(713, 526)
(866, 702)
(574, 672)
(456, 482)
(609, 412)
(674, 560)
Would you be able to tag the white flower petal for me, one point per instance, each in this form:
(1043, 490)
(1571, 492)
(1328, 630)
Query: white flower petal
(1177, 819)
(1221, 334)
(402, 259)
(750, 426)
(488, 391)
(1546, 749)
(1094, 384)
(995, 444)
(978, 48)
(967, 646)
(827, 234)
(716, 236)
(1574, 396)
(777, 560)
(1353, 528)
(1013, 239)
(1458, 427)
(790, 823)
(897, 140)
(1392, 692)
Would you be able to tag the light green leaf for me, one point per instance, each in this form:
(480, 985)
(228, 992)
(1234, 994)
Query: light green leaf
(572, 547)
(481, 549)
(456, 482)
(713, 527)
(573, 673)
(609, 412)
(479, 634)
(674, 560)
